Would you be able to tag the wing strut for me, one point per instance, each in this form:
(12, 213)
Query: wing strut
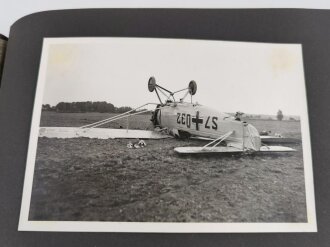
(207, 149)
(218, 140)
(117, 117)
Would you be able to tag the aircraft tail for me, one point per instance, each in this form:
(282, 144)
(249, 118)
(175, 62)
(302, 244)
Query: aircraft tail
(251, 140)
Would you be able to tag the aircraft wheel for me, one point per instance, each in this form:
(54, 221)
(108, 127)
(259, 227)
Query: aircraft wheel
(151, 84)
(192, 87)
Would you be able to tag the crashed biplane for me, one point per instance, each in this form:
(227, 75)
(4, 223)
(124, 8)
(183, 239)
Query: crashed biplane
(181, 119)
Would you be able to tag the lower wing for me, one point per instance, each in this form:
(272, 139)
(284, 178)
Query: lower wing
(229, 149)
(278, 139)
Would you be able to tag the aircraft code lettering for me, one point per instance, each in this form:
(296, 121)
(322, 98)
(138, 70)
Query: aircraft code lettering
(187, 120)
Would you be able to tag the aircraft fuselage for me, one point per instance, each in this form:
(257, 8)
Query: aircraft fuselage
(187, 119)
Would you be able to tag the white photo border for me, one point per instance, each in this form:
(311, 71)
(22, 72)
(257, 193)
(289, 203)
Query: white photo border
(93, 226)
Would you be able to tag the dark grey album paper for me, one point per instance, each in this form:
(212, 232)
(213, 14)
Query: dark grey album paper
(169, 135)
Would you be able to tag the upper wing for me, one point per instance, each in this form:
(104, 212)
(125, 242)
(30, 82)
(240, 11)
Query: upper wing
(99, 133)
(264, 139)
(232, 147)
(229, 149)
(207, 150)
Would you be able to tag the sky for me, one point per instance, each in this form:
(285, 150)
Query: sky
(258, 78)
(13, 10)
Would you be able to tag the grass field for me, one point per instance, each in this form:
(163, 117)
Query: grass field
(101, 180)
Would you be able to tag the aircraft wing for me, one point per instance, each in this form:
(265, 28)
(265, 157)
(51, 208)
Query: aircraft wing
(201, 138)
(278, 139)
(232, 147)
(264, 139)
(229, 149)
(99, 133)
(207, 150)
(272, 149)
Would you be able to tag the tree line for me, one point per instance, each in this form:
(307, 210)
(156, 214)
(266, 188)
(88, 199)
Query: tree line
(86, 106)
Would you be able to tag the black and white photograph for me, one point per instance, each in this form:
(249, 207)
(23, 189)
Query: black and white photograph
(169, 135)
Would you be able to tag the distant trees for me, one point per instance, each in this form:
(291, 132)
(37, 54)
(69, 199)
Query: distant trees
(279, 115)
(123, 109)
(86, 106)
(47, 107)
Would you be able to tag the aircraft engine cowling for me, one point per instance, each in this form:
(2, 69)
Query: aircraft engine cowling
(252, 139)
(155, 117)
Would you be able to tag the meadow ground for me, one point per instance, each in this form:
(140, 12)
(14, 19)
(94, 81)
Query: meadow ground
(85, 179)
